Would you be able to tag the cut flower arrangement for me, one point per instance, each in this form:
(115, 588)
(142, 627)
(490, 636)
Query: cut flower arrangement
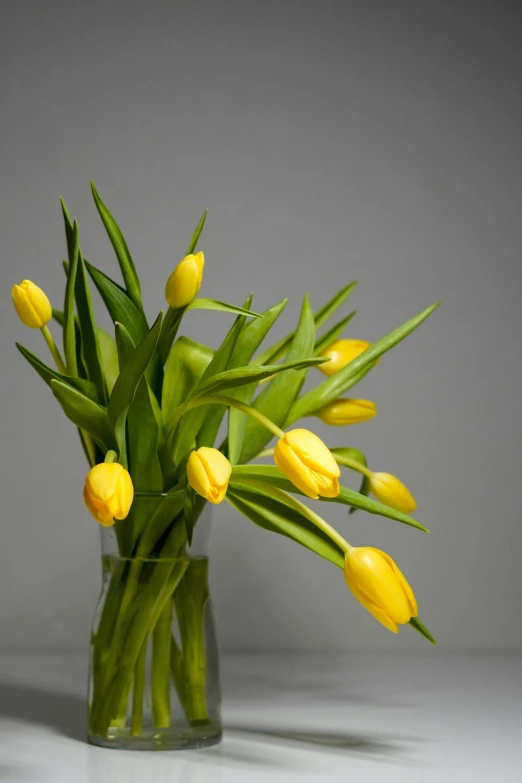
(149, 403)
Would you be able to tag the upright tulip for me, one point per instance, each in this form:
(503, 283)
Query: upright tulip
(185, 281)
(308, 463)
(377, 583)
(345, 411)
(208, 473)
(32, 304)
(341, 353)
(108, 492)
(389, 490)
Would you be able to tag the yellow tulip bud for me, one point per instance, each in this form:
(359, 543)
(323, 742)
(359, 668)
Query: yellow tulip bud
(341, 353)
(185, 281)
(108, 492)
(345, 411)
(308, 463)
(32, 304)
(389, 490)
(208, 472)
(377, 583)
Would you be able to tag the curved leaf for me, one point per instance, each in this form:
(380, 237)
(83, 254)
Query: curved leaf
(186, 364)
(86, 414)
(215, 304)
(332, 334)
(347, 497)
(48, 374)
(120, 306)
(128, 270)
(277, 517)
(89, 332)
(358, 456)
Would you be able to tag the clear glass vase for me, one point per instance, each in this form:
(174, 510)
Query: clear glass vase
(154, 668)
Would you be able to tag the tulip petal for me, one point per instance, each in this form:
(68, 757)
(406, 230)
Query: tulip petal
(403, 582)
(299, 474)
(216, 465)
(373, 576)
(374, 610)
(313, 452)
(184, 282)
(197, 475)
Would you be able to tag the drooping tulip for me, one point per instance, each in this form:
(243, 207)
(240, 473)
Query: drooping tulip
(308, 463)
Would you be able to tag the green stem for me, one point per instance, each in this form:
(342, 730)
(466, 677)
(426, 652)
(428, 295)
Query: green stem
(54, 350)
(352, 464)
(138, 692)
(161, 668)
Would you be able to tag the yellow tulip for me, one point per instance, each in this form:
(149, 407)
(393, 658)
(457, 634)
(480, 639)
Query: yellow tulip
(108, 492)
(32, 304)
(308, 463)
(346, 411)
(341, 353)
(377, 583)
(389, 490)
(185, 281)
(208, 472)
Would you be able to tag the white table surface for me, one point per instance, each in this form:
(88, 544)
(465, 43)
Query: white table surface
(362, 717)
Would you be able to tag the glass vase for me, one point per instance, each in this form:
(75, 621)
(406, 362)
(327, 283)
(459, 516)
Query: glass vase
(154, 666)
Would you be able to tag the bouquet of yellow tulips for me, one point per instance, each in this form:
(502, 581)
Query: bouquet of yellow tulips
(148, 404)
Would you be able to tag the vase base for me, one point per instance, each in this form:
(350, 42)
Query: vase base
(175, 738)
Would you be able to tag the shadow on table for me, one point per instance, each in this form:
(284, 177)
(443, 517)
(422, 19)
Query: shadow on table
(358, 744)
(59, 711)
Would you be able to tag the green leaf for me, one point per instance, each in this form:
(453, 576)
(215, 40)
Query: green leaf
(275, 516)
(214, 304)
(277, 397)
(241, 376)
(344, 379)
(327, 310)
(357, 456)
(108, 358)
(169, 331)
(186, 364)
(347, 497)
(421, 628)
(120, 306)
(69, 329)
(124, 344)
(320, 317)
(143, 435)
(86, 414)
(88, 330)
(333, 334)
(128, 380)
(222, 361)
(197, 233)
(69, 231)
(250, 338)
(161, 520)
(86, 387)
(193, 421)
(128, 270)
(189, 512)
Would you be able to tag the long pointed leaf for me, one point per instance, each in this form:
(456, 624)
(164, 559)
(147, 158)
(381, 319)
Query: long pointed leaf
(421, 628)
(197, 233)
(214, 304)
(359, 457)
(120, 306)
(69, 329)
(48, 374)
(87, 415)
(343, 380)
(88, 329)
(332, 334)
(128, 270)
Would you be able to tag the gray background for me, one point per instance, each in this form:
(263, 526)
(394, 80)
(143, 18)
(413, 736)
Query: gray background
(331, 141)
